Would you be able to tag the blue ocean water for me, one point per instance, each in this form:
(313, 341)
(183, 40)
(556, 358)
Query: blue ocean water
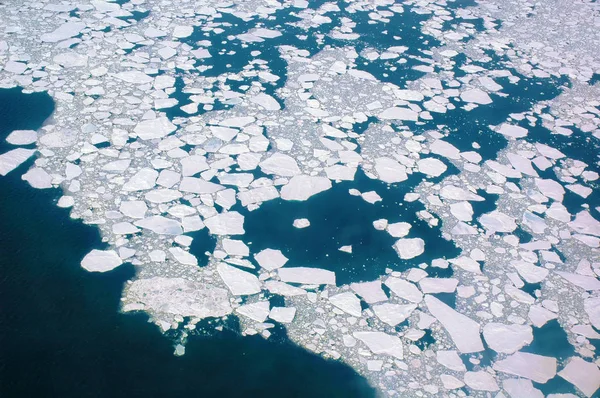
(61, 334)
(339, 219)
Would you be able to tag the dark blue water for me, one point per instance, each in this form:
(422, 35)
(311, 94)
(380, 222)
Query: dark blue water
(339, 219)
(61, 334)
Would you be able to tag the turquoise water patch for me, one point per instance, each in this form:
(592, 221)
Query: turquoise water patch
(339, 219)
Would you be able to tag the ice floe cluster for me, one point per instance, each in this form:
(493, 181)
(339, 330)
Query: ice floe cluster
(175, 119)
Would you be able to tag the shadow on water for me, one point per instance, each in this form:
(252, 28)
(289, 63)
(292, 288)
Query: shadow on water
(61, 333)
(339, 219)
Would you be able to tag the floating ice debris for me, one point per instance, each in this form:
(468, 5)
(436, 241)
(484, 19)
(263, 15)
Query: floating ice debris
(101, 261)
(309, 276)
(481, 381)
(154, 128)
(12, 159)
(496, 221)
(266, 101)
(521, 388)
(476, 96)
(582, 374)
(283, 314)
(398, 229)
(183, 257)
(409, 247)
(38, 178)
(463, 330)
(63, 32)
(512, 131)
(22, 137)
(381, 343)
(228, 223)
(451, 360)
(302, 187)
(277, 287)
(393, 314)
(239, 282)
(404, 289)
(160, 225)
(280, 164)
(398, 113)
(390, 171)
(432, 167)
(235, 247)
(256, 311)
(507, 339)
(301, 223)
(532, 366)
(371, 292)
(178, 296)
(347, 302)
(143, 180)
(270, 259)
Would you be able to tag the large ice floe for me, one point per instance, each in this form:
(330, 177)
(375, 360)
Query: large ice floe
(173, 127)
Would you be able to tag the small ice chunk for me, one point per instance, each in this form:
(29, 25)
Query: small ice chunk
(451, 360)
(235, 248)
(404, 289)
(301, 223)
(142, 180)
(438, 285)
(101, 261)
(239, 282)
(198, 185)
(476, 96)
(228, 223)
(280, 164)
(507, 339)
(512, 131)
(347, 302)
(154, 128)
(390, 171)
(381, 343)
(13, 159)
(399, 113)
(283, 289)
(183, 256)
(266, 101)
(550, 188)
(481, 381)
(463, 330)
(582, 374)
(133, 208)
(306, 275)
(393, 314)
(463, 211)
(531, 366)
(409, 248)
(497, 221)
(38, 178)
(22, 137)
(160, 225)
(398, 229)
(431, 166)
(283, 314)
(521, 388)
(258, 311)
(371, 292)
(270, 259)
(63, 32)
(302, 187)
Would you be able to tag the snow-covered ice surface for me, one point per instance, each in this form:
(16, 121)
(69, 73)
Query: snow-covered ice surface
(175, 121)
